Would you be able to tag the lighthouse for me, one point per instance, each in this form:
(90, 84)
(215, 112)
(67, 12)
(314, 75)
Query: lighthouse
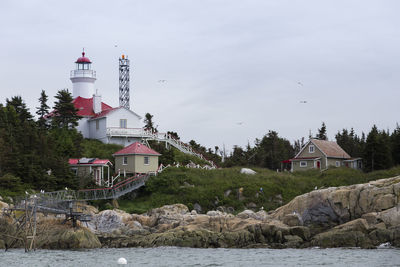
(83, 78)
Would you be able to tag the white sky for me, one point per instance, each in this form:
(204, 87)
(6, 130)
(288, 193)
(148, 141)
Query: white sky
(224, 62)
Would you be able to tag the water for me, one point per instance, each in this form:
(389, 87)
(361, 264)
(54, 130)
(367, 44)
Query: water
(172, 256)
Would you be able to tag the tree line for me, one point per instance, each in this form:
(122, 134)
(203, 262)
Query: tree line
(379, 149)
(34, 152)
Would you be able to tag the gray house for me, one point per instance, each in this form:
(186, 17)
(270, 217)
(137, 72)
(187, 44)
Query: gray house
(321, 154)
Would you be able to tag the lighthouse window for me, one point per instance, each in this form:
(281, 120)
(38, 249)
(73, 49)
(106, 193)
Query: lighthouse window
(122, 123)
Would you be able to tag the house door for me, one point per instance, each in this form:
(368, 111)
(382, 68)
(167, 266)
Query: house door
(319, 164)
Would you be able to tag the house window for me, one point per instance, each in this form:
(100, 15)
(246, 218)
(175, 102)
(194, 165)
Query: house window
(97, 125)
(303, 163)
(146, 160)
(125, 161)
(311, 149)
(74, 171)
(337, 163)
(122, 123)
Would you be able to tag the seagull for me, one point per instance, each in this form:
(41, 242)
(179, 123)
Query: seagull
(315, 188)
(303, 102)
(66, 188)
(115, 45)
(240, 123)
(162, 81)
(299, 83)
(26, 193)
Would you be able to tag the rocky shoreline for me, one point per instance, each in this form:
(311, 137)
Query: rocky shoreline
(363, 215)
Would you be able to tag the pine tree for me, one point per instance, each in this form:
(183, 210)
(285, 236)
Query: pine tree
(65, 113)
(377, 154)
(43, 111)
(395, 144)
(322, 132)
(149, 124)
(20, 108)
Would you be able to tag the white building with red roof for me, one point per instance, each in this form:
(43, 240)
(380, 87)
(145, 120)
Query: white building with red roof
(99, 120)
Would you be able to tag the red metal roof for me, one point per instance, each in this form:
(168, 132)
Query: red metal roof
(85, 106)
(91, 162)
(103, 113)
(137, 148)
(83, 59)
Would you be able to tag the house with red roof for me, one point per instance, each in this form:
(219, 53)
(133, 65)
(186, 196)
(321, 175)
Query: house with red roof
(136, 158)
(117, 125)
(91, 168)
(322, 154)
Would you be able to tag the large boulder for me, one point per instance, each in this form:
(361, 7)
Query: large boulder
(332, 206)
(247, 171)
(109, 220)
(59, 237)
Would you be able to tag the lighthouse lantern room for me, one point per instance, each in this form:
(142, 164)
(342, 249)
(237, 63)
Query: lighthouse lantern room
(83, 78)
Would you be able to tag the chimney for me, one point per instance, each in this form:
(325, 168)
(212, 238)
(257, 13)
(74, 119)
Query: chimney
(96, 103)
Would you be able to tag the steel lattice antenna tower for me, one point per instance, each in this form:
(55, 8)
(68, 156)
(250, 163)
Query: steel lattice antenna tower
(124, 82)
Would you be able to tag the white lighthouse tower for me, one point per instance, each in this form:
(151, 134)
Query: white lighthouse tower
(83, 78)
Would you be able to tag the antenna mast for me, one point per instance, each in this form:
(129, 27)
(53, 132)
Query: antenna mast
(124, 82)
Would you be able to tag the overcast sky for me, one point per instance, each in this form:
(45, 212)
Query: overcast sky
(233, 69)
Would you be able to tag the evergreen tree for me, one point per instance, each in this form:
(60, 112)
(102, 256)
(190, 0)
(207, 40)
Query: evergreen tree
(350, 142)
(20, 108)
(174, 135)
(149, 124)
(395, 144)
(322, 132)
(43, 110)
(65, 113)
(377, 154)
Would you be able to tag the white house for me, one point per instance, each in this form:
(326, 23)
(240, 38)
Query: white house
(99, 120)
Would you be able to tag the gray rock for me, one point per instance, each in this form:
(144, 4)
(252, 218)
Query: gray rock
(247, 171)
(197, 207)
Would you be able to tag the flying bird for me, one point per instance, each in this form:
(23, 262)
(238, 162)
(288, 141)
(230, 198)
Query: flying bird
(239, 123)
(303, 102)
(162, 81)
(66, 188)
(299, 83)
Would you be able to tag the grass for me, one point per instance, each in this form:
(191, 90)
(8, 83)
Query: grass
(209, 188)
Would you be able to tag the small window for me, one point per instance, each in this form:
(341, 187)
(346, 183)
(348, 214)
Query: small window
(125, 161)
(74, 171)
(122, 123)
(146, 160)
(303, 163)
(97, 125)
(337, 163)
(311, 149)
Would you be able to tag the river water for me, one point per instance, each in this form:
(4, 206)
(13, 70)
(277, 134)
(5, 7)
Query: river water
(172, 256)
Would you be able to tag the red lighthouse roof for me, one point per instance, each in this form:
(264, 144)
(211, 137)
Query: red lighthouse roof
(83, 59)
(85, 106)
